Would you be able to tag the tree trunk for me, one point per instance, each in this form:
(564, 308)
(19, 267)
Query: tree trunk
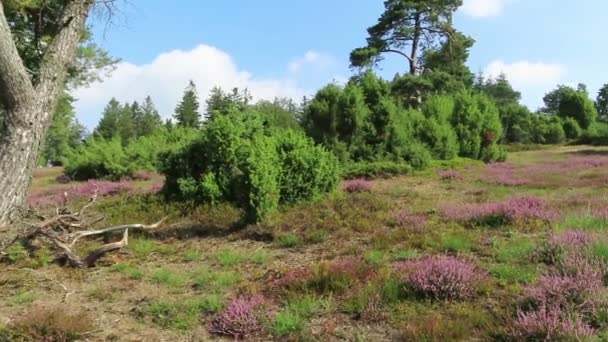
(18, 155)
(415, 44)
(29, 107)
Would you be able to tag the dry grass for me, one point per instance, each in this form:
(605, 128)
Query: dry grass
(188, 271)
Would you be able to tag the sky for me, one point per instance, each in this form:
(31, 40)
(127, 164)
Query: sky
(293, 48)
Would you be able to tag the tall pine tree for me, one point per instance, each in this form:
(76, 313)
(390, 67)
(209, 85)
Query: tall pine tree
(148, 120)
(186, 113)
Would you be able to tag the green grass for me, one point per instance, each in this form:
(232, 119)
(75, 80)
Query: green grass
(132, 272)
(514, 250)
(375, 257)
(600, 251)
(142, 248)
(286, 323)
(169, 278)
(584, 222)
(513, 273)
(192, 254)
(316, 235)
(208, 280)
(288, 240)
(455, 243)
(292, 319)
(180, 314)
(260, 257)
(23, 297)
(406, 254)
(230, 257)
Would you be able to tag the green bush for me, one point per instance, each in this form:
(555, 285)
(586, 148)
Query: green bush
(239, 159)
(99, 158)
(476, 121)
(417, 155)
(379, 169)
(554, 134)
(145, 151)
(571, 128)
(440, 138)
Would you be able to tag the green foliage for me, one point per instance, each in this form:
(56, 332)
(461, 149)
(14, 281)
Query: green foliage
(601, 102)
(568, 102)
(131, 271)
(477, 124)
(237, 158)
(146, 151)
(221, 103)
(572, 129)
(168, 278)
(186, 112)
(378, 169)
(292, 319)
(417, 155)
(98, 158)
(182, 315)
(64, 134)
(397, 24)
(513, 273)
(288, 240)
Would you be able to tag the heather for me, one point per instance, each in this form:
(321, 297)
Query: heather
(240, 318)
(441, 277)
(413, 257)
(523, 208)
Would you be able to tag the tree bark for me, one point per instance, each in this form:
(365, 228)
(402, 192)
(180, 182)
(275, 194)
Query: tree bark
(29, 106)
(415, 44)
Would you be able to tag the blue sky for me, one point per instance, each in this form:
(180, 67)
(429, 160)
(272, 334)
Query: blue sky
(292, 48)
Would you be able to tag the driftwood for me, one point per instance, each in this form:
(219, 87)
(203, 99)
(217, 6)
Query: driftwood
(65, 229)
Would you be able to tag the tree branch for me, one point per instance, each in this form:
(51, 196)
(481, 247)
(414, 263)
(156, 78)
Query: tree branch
(15, 85)
(53, 68)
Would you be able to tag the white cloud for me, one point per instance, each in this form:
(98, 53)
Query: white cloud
(483, 8)
(310, 58)
(168, 74)
(533, 79)
(524, 73)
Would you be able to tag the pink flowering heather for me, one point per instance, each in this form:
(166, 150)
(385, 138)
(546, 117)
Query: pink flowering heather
(357, 185)
(600, 213)
(415, 222)
(555, 289)
(58, 196)
(441, 277)
(528, 207)
(502, 174)
(549, 324)
(240, 318)
(571, 239)
(450, 175)
(515, 209)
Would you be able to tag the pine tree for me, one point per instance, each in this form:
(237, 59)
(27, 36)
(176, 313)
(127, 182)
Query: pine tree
(65, 133)
(108, 125)
(186, 113)
(150, 118)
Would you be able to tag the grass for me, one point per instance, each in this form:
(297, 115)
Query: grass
(192, 254)
(209, 280)
(513, 250)
(22, 297)
(143, 248)
(288, 240)
(181, 315)
(375, 257)
(177, 278)
(456, 243)
(293, 317)
(132, 272)
(169, 278)
(513, 273)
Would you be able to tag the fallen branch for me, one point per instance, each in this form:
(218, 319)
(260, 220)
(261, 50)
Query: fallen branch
(59, 232)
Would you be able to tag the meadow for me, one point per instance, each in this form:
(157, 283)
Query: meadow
(459, 251)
